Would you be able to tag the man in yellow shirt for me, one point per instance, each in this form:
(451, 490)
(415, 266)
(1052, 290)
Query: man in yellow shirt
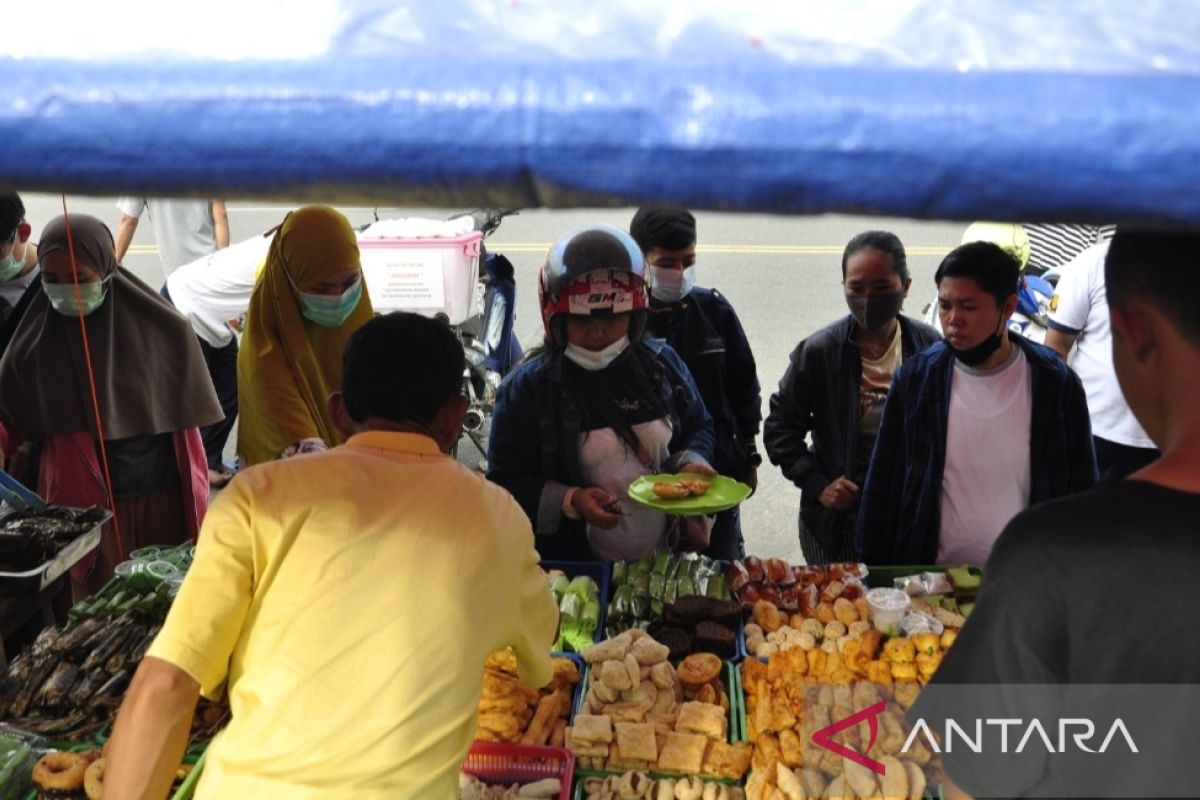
(348, 599)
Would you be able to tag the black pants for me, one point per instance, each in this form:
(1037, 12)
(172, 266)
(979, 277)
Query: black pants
(222, 370)
(726, 542)
(1121, 460)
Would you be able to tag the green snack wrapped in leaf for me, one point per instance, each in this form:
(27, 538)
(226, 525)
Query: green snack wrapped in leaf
(590, 618)
(644, 564)
(671, 594)
(641, 607)
(658, 587)
(661, 563)
(716, 588)
(641, 584)
(558, 586)
(620, 573)
(571, 608)
(583, 586)
(687, 586)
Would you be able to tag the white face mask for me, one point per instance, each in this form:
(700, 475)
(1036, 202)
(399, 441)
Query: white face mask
(596, 360)
(671, 285)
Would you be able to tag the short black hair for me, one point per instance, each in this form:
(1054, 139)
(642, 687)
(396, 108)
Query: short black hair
(12, 211)
(885, 242)
(401, 367)
(1160, 267)
(668, 227)
(996, 272)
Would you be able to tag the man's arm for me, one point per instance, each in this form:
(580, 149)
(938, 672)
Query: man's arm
(220, 223)
(125, 230)
(1060, 341)
(151, 732)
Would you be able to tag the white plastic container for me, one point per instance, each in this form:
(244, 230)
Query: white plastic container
(424, 276)
(887, 609)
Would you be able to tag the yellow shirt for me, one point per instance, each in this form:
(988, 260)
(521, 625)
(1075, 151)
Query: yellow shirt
(350, 598)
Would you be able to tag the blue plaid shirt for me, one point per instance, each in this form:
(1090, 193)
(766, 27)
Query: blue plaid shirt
(899, 518)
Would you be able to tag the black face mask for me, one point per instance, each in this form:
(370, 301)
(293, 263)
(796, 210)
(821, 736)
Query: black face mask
(974, 356)
(875, 310)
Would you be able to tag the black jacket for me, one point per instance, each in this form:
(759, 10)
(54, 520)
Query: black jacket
(819, 394)
(706, 333)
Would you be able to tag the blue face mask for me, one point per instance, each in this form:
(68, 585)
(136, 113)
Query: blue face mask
(330, 311)
(63, 299)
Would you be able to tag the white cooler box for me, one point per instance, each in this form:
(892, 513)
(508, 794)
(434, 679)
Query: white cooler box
(425, 276)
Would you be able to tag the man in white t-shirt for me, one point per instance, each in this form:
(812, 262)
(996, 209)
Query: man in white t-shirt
(18, 256)
(184, 229)
(976, 428)
(1079, 318)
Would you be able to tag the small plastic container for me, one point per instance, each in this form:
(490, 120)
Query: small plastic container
(423, 276)
(921, 623)
(147, 553)
(887, 609)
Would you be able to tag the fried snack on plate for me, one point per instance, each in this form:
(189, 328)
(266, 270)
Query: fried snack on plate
(696, 486)
(670, 491)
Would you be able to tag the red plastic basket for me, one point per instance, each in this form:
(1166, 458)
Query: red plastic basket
(500, 763)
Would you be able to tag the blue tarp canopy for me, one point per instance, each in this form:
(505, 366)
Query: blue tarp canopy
(1085, 111)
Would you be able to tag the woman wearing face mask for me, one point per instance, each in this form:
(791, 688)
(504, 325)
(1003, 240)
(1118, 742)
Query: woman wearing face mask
(597, 408)
(835, 388)
(151, 386)
(308, 300)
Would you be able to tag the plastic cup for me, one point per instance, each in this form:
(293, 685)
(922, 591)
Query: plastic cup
(173, 582)
(887, 609)
(147, 553)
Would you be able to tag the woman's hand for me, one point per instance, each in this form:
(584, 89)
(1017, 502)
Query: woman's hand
(841, 495)
(598, 507)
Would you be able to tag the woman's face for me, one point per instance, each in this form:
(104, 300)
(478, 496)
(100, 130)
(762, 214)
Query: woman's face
(870, 271)
(56, 268)
(335, 285)
(596, 332)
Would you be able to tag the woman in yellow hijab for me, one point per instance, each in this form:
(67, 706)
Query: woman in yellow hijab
(308, 300)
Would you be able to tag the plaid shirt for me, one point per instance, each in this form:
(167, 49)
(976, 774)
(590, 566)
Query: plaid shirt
(899, 519)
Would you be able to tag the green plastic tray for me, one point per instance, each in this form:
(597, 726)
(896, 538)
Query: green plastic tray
(724, 494)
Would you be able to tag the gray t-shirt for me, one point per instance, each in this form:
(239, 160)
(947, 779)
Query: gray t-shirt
(183, 229)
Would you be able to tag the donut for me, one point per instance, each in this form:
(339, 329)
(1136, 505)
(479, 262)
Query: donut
(93, 779)
(59, 772)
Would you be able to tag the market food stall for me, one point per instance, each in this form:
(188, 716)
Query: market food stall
(1087, 113)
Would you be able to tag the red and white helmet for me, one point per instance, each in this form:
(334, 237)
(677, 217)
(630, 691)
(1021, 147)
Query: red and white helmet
(592, 269)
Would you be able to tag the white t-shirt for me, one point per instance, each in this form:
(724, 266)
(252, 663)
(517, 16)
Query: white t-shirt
(606, 461)
(183, 229)
(215, 290)
(986, 479)
(1080, 307)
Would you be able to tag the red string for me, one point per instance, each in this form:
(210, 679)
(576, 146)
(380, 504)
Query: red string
(87, 359)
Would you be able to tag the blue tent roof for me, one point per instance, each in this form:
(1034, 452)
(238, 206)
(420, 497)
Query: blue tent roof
(1085, 111)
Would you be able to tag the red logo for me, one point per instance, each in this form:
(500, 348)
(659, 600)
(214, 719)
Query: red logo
(824, 737)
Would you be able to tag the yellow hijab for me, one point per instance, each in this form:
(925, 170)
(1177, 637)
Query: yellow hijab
(287, 365)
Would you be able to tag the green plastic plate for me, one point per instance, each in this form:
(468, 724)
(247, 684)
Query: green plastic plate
(724, 494)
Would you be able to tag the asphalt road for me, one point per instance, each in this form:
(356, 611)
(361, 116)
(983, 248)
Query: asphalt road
(782, 274)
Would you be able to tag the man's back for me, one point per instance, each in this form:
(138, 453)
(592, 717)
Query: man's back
(358, 593)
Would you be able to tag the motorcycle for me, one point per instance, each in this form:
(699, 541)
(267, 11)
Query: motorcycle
(491, 347)
(1033, 304)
